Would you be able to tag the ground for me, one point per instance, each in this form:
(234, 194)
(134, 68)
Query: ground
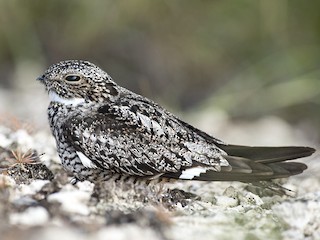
(37, 200)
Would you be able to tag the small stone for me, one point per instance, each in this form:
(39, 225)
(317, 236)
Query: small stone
(251, 199)
(32, 216)
(225, 201)
(32, 188)
(129, 231)
(72, 200)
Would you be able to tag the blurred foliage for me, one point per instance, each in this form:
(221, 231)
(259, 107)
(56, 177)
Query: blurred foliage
(249, 57)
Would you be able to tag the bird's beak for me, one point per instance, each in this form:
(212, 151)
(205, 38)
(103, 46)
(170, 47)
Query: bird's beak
(41, 78)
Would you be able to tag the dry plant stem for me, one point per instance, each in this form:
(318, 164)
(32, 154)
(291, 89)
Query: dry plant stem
(20, 158)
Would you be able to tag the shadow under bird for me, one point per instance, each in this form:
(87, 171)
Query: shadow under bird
(102, 129)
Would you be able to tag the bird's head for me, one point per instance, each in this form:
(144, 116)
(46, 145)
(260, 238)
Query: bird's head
(76, 81)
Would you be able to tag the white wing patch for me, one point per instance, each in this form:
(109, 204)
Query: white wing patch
(190, 173)
(54, 97)
(85, 161)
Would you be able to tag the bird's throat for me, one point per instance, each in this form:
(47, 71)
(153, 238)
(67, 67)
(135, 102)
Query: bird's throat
(54, 97)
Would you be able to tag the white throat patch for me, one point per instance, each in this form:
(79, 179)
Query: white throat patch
(54, 97)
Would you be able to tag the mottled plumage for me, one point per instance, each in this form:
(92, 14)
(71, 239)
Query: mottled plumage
(102, 129)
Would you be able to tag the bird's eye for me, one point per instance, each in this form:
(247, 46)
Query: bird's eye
(72, 78)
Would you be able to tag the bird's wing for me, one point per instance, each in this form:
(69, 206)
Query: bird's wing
(251, 164)
(140, 139)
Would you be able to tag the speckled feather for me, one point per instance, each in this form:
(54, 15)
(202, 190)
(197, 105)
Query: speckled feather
(102, 129)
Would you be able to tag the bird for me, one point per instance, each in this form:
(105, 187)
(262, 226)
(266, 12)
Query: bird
(103, 130)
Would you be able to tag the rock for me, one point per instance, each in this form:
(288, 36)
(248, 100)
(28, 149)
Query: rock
(72, 200)
(33, 216)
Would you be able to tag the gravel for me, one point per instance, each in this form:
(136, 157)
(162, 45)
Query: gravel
(37, 201)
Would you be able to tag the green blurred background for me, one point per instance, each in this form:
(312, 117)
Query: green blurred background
(248, 58)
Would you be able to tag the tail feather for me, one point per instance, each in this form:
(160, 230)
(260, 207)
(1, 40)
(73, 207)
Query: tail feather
(271, 172)
(293, 167)
(252, 164)
(239, 166)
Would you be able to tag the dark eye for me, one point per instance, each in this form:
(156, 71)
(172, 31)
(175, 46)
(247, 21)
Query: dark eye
(72, 78)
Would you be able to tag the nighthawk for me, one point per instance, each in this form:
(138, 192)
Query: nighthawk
(102, 129)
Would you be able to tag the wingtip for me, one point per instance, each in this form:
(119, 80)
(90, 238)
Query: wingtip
(310, 150)
(268, 154)
(306, 151)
